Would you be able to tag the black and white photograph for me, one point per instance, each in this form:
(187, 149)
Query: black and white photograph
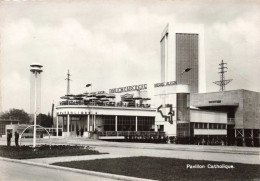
(133, 90)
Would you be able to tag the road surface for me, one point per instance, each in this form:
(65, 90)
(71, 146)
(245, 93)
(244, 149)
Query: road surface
(11, 171)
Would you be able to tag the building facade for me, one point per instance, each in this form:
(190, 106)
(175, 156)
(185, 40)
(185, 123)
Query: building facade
(182, 47)
(242, 108)
(111, 115)
(171, 116)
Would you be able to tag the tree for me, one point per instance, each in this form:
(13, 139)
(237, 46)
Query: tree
(44, 120)
(18, 114)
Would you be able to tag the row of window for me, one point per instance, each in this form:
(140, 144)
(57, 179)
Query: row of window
(208, 126)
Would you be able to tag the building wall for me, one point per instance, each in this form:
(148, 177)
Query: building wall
(246, 105)
(208, 118)
(251, 104)
(172, 51)
(187, 56)
(102, 110)
(166, 97)
(200, 116)
(210, 132)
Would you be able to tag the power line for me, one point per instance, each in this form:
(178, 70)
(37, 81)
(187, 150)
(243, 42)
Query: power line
(222, 83)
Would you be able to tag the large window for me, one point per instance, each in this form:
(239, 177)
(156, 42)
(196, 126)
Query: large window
(183, 129)
(145, 123)
(109, 123)
(183, 104)
(126, 123)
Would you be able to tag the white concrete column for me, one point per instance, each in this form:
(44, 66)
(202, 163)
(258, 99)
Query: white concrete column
(88, 123)
(155, 127)
(116, 124)
(136, 123)
(243, 138)
(94, 122)
(62, 123)
(57, 126)
(68, 124)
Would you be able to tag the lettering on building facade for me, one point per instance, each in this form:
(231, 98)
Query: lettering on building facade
(129, 88)
(163, 84)
(215, 101)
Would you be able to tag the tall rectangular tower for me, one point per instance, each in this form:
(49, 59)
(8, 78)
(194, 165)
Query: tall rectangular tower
(182, 47)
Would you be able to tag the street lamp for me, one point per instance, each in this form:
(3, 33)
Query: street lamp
(186, 70)
(35, 69)
(88, 85)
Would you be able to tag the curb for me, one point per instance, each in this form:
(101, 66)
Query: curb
(88, 172)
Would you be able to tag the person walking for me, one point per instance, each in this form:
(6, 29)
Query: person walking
(16, 136)
(9, 136)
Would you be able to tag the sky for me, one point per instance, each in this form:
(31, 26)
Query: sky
(117, 43)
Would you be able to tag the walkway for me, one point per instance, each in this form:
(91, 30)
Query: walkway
(24, 172)
(249, 155)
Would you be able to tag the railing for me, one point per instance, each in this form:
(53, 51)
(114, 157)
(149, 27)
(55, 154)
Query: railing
(131, 133)
(112, 104)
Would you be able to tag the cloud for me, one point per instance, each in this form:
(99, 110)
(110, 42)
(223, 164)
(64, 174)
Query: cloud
(18, 92)
(118, 43)
(14, 34)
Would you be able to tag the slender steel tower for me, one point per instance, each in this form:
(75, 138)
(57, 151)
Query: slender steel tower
(36, 70)
(222, 81)
(68, 82)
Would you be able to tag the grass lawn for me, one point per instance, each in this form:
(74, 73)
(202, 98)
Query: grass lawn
(167, 168)
(43, 151)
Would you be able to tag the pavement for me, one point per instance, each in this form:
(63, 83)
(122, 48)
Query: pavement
(247, 155)
(13, 171)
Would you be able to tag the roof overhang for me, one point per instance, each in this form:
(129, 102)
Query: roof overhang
(218, 105)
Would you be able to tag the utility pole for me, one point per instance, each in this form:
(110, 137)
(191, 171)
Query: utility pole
(68, 82)
(222, 81)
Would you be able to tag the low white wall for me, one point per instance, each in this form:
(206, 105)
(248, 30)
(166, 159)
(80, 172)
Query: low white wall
(210, 132)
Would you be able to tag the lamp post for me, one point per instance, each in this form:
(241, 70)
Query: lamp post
(186, 70)
(90, 85)
(35, 69)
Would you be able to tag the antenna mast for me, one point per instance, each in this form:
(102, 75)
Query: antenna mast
(222, 81)
(68, 82)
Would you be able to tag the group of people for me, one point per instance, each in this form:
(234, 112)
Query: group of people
(81, 131)
(9, 137)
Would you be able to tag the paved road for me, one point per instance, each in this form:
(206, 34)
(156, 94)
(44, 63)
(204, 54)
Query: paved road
(116, 152)
(22, 172)
(247, 155)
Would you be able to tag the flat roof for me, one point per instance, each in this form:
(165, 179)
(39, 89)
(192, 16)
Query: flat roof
(236, 90)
